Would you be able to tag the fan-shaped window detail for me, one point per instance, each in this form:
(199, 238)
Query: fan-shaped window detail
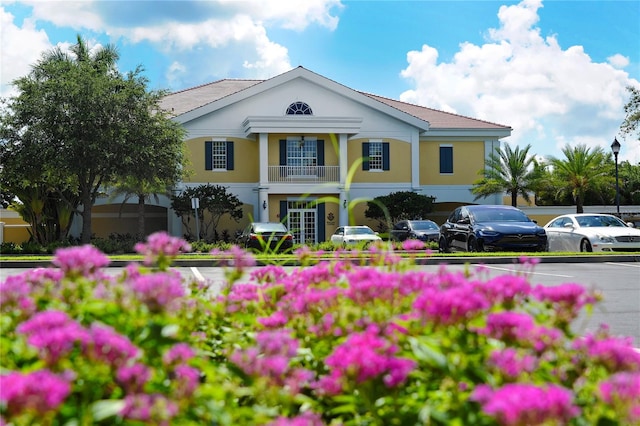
(299, 108)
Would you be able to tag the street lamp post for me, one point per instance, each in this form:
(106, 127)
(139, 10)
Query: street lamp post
(615, 147)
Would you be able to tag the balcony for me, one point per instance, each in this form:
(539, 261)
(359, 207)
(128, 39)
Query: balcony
(304, 174)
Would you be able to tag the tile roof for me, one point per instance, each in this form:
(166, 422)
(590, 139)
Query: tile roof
(189, 99)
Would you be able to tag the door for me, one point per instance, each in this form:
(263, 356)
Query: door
(302, 221)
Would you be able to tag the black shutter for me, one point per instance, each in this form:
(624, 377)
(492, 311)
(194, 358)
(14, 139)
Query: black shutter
(320, 152)
(385, 156)
(283, 211)
(446, 159)
(320, 157)
(322, 233)
(229, 155)
(283, 157)
(208, 155)
(365, 155)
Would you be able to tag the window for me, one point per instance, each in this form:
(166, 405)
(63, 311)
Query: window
(299, 108)
(218, 155)
(375, 155)
(446, 159)
(301, 156)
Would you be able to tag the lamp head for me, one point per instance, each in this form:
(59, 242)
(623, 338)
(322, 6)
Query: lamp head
(615, 146)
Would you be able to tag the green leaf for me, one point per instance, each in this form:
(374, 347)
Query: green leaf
(104, 409)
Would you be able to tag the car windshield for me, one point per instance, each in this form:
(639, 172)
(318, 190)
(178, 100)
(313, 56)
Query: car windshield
(424, 225)
(499, 215)
(358, 231)
(269, 227)
(596, 221)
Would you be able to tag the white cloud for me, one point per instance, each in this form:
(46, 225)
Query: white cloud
(21, 47)
(528, 82)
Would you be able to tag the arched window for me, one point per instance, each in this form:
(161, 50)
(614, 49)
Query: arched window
(299, 108)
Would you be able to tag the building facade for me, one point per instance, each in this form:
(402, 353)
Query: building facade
(303, 149)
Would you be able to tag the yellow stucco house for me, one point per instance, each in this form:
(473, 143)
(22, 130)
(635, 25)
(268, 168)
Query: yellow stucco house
(307, 150)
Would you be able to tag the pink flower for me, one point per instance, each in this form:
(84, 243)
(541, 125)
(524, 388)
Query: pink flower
(160, 291)
(566, 299)
(410, 244)
(622, 391)
(111, 347)
(615, 353)
(155, 408)
(235, 257)
(507, 326)
(161, 246)
(365, 356)
(40, 391)
(505, 288)
(305, 419)
(179, 353)
(80, 261)
(15, 295)
(133, 377)
(521, 404)
(186, 379)
(449, 306)
(54, 333)
(511, 363)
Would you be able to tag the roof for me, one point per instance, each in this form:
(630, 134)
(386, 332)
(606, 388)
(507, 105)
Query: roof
(187, 100)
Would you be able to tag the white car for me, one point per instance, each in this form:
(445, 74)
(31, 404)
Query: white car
(353, 235)
(591, 232)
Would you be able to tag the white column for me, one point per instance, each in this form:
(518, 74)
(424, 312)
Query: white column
(415, 161)
(263, 150)
(343, 162)
(263, 200)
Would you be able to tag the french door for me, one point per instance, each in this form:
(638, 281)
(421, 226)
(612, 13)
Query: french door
(303, 221)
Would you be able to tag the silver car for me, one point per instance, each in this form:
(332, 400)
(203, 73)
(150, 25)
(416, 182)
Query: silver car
(353, 235)
(588, 232)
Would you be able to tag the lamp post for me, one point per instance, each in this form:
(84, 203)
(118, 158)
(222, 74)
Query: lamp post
(615, 147)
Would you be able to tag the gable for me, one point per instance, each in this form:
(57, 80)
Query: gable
(192, 104)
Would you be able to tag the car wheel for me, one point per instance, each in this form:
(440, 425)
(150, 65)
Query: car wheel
(585, 245)
(473, 245)
(442, 245)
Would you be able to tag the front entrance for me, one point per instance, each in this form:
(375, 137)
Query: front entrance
(303, 221)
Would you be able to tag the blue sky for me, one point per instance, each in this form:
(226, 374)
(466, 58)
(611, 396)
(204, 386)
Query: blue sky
(555, 71)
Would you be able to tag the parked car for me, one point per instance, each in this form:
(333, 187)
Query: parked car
(351, 235)
(591, 232)
(423, 230)
(491, 228)
(266, 236)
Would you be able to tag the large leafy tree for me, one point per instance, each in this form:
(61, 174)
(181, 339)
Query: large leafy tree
(396, 206)
(631, 123)
(82, 120)
(508, 171)
(156, 161)
(582, 170)
(215, 200)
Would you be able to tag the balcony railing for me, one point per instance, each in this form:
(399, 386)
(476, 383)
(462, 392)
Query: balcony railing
(304, 174)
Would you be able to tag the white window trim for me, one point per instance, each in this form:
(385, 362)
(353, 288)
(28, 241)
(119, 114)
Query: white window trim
(445, 145)
(226, 154)
(380, 170)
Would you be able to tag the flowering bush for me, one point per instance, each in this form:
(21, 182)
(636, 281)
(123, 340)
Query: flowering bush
(363, 341)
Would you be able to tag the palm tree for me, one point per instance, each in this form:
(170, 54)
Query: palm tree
(510, 171)
(581, 171)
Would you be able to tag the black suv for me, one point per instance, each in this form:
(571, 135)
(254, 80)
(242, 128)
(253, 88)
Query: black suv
(491, 228)
(423, 230)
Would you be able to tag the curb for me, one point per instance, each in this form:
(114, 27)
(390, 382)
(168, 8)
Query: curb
(187, 263)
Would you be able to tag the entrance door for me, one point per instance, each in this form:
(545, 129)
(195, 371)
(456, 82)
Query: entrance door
(302, 221)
